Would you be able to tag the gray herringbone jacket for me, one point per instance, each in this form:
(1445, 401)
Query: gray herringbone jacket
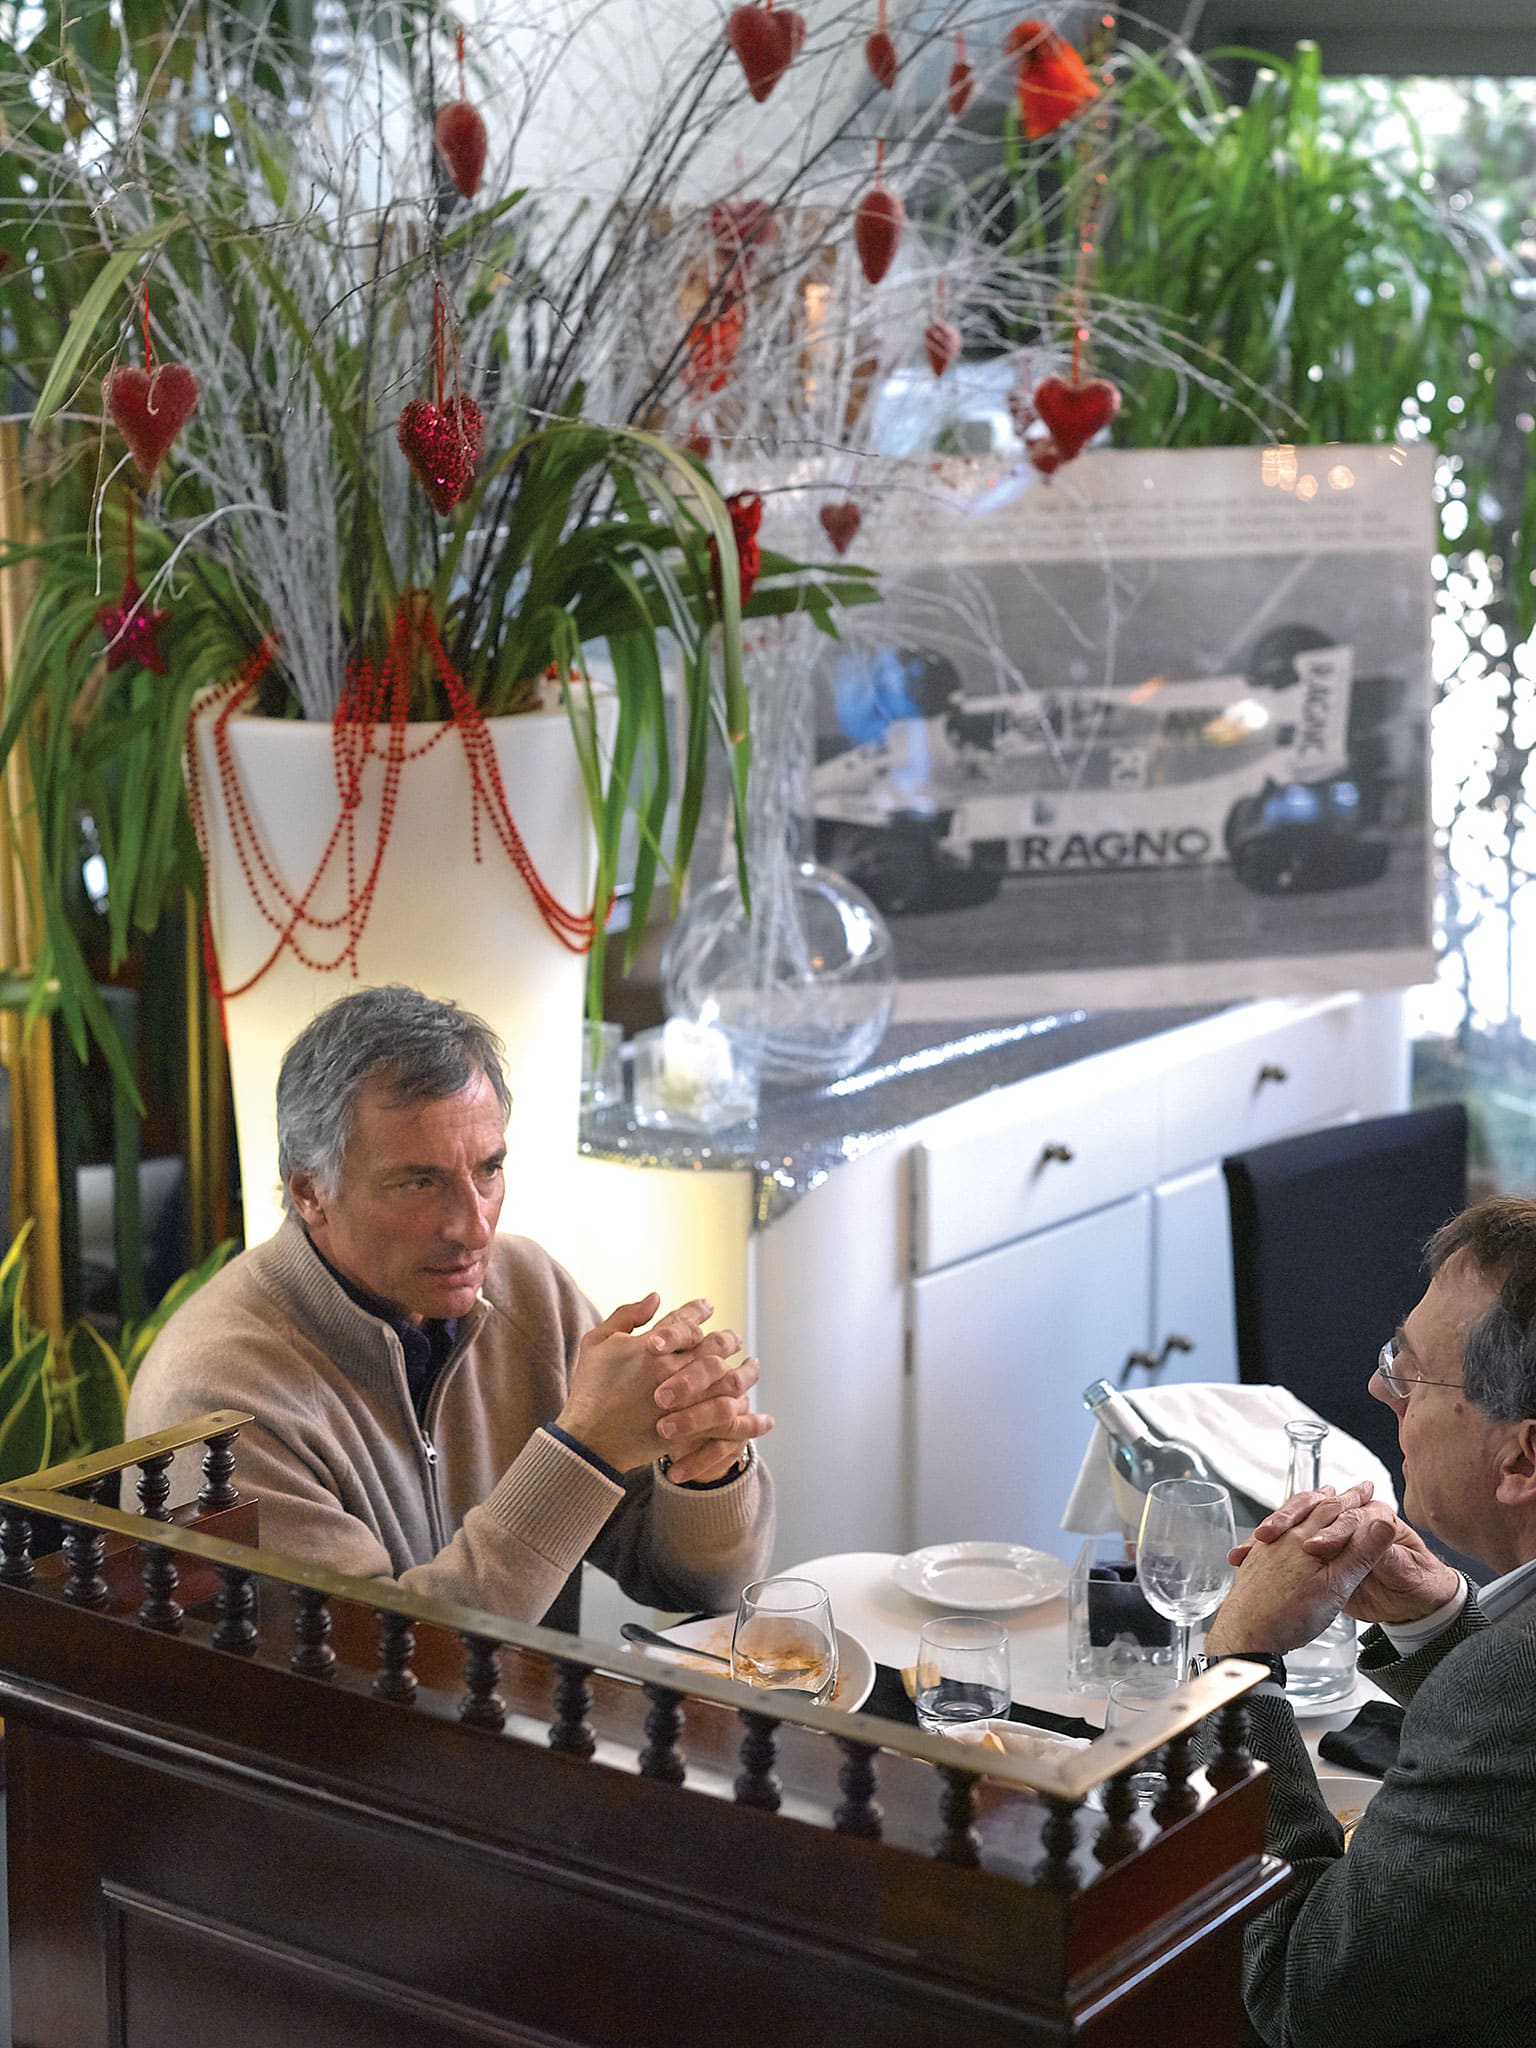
(1424, 1935)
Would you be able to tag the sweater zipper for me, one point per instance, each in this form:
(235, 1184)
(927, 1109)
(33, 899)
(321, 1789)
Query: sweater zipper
(434, 1511)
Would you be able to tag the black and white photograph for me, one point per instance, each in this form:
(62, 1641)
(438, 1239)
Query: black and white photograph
(1155, 731)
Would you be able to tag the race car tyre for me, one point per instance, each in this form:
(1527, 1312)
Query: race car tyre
(1272, 664)
(896, 869)
(1288, 863)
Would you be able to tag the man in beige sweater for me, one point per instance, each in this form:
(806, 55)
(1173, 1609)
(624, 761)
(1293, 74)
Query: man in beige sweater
(440, 1405)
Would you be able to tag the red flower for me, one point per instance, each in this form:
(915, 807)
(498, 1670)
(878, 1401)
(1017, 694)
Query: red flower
(1053, 79)
(133, 631)
(746, 510)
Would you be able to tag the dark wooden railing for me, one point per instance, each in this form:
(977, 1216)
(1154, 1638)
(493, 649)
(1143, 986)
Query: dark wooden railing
(251, 1793)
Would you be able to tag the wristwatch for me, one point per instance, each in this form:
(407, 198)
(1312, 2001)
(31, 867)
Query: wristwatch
(743, 1464)
(1198, 1666)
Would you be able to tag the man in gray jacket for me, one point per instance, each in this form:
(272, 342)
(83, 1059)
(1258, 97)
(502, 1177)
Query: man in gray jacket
(440, 1405)
(1422, 1934)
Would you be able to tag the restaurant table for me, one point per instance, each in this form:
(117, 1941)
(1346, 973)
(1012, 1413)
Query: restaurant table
(870, 1605)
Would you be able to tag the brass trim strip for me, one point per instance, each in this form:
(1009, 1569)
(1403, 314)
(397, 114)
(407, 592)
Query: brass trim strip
(118, 1458)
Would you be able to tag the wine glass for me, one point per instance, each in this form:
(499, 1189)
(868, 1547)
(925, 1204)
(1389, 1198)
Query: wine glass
(1181, 1555)
(962, 1672)
(784, 1640)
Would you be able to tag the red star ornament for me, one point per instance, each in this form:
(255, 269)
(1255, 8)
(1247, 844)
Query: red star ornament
(133, 631)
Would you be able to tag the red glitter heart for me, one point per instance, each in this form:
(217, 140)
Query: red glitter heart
(840, 523)
(880, 55)
(767, 41)
(149, 409)
(1075, 412)
(441, 442)
(877, 229)
(461, 143)
(941, 339)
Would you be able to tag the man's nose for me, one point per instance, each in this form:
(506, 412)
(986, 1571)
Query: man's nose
(467, 1217)
(1377, 1386)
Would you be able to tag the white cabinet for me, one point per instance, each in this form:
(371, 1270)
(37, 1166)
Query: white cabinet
(1001, 1348)
(1191, 1259)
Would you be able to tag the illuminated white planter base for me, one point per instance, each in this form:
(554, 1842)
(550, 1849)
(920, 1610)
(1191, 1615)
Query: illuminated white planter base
(440, 922)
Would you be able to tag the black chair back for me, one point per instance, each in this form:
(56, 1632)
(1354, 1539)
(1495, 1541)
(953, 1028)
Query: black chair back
(1328, 1234)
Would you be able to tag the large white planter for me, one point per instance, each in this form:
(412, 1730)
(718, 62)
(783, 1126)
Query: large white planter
(440, 921)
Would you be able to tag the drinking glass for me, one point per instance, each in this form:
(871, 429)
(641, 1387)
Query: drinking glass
(1181, 1555)
(962, 1672)
(784, 1640)
(1127, 1701)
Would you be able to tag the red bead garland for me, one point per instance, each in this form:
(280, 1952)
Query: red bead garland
(372, 697)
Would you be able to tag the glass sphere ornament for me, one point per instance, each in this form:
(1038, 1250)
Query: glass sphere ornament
(805, 985)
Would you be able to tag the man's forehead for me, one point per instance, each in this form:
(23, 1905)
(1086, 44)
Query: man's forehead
(1459, 1293)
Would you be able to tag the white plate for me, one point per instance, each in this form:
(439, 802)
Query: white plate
(981, 1578)
(1347, 1796)
(855, 1666)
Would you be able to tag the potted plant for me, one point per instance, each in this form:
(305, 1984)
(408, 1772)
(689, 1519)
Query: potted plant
(380, 473)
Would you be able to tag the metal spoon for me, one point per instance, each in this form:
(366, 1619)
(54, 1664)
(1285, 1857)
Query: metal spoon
(633, 1632)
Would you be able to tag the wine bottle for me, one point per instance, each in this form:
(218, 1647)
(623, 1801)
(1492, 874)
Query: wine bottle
(1136, 1456)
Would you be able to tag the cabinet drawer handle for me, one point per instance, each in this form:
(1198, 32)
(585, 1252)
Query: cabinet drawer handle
(1270, 1072)
(1062, 1154)
(1152, 1362)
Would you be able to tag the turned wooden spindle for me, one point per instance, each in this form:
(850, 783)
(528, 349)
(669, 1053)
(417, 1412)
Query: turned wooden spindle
(395, 1680)
(85, 1552)
(1117, 1838)
(482, 1705)
(218, 1472)
(661, 1758)
(16, 1566)
(859, 1813)
(758, 1784)
(154, 1487)
(1057, 1870)
(160, 1608)
(959, 1843)
(312, 1655)
(234, 1626)
(1178, 1797)
(571, 1733)
(1233, 1760)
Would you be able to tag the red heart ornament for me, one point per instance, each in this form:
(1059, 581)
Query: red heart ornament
(880, 55)
(441, 443)
(461, 143)
(1075, 412)
(941, 339)
(877, 225)
(840, 523)
(766, 41)
(962, 87)
(149, 409)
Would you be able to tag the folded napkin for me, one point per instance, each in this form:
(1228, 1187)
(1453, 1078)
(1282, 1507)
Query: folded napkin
(1239, 1431)
(1369, 1742)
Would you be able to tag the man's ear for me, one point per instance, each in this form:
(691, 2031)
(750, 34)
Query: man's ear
(1517, 1467)
(304, 1193)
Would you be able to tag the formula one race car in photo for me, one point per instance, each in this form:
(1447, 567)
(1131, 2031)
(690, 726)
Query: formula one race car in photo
(1290, 771)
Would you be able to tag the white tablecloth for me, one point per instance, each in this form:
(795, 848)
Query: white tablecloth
(868, 1603)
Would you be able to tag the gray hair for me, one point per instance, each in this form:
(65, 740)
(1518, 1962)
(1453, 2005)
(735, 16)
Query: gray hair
(1499, 1350)
(423, 1049)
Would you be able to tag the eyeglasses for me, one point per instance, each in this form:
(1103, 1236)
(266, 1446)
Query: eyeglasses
(1397, 1381)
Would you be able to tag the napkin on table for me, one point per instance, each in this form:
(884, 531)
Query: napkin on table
(1239, 1431)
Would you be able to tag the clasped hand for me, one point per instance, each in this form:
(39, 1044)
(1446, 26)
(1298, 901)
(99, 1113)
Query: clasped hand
(637, 1393)
(1322, 1554)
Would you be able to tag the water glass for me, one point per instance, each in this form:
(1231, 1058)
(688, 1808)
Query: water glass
(784, 1640)
(1128, 1700)
(1181, 1557)
(962, 1672)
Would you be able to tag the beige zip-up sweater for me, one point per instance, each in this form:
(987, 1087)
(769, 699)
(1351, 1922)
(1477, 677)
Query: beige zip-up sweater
(483, 1507)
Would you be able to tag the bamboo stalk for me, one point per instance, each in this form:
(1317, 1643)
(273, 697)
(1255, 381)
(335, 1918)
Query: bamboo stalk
(28, 1059)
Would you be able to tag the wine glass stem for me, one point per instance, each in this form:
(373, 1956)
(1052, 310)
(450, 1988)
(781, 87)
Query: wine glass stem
(1183, 1631)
